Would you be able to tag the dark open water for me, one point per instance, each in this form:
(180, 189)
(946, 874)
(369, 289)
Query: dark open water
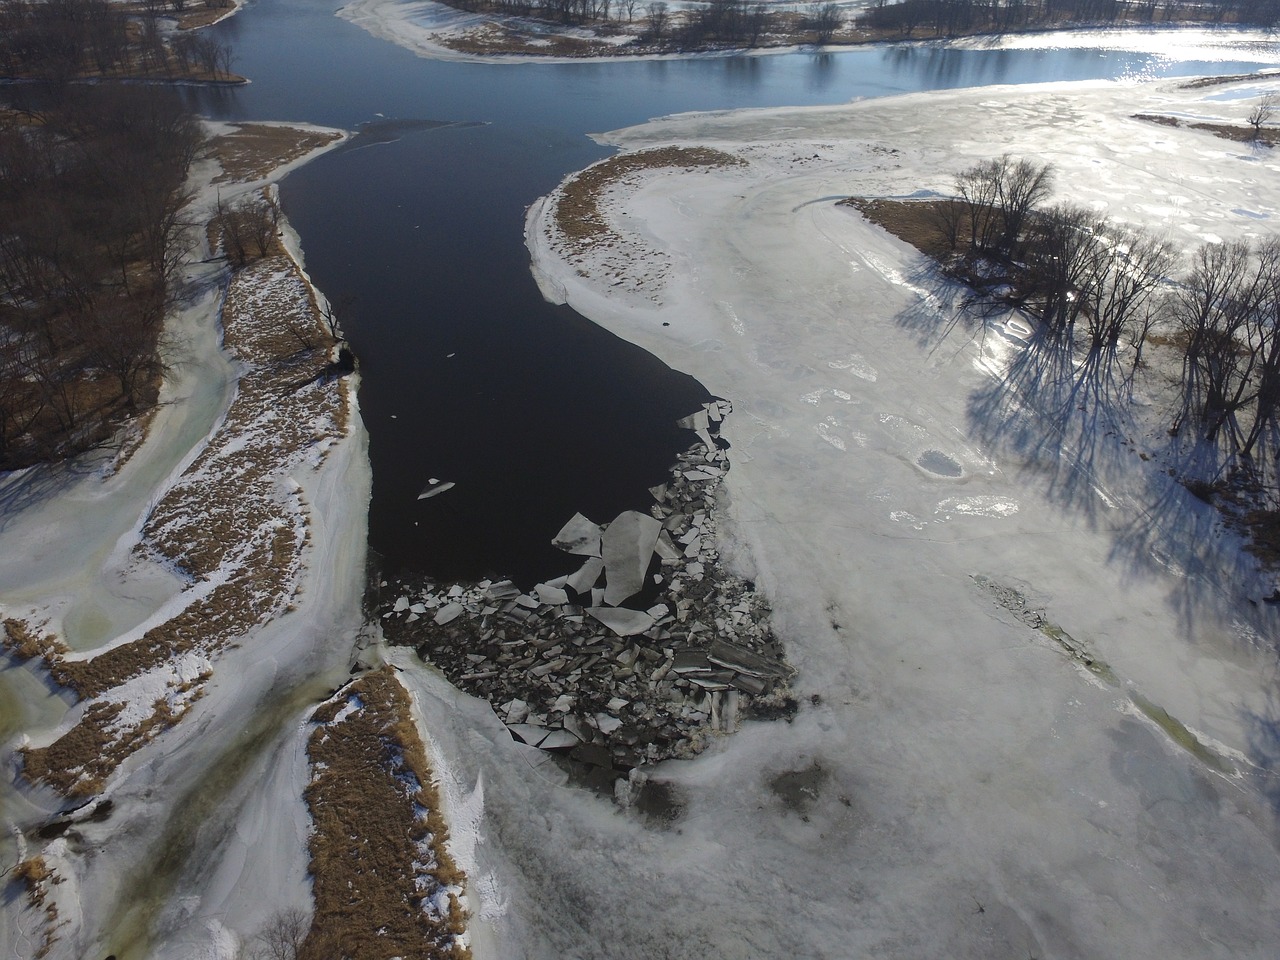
(468, 374)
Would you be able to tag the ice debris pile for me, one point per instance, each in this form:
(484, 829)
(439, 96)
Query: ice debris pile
(571, 669)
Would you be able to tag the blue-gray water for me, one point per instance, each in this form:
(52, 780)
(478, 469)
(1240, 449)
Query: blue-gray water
(468, 375)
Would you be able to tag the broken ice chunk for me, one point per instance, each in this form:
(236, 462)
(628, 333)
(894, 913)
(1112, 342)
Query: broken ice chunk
(448, 613)
(579, 536)
(666, 550)
(628, 547)
(564, 703)
(558, 740)
(432, 491)
(623, 622)
(607, 724)
(697, 420)
(587, 575)
(742, 660)
(529, 733)
(550, 595)
(502, 590)
(402, 604)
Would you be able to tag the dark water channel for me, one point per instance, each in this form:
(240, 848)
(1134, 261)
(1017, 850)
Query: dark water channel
(469, 375)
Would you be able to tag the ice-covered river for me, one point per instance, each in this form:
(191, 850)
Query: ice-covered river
(469, 376)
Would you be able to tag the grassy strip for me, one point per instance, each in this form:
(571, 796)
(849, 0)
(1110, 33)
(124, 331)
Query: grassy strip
(253, 150)
(915, 221)
(578, 215)
(231, 519)
(1227, 131)
(384, 883)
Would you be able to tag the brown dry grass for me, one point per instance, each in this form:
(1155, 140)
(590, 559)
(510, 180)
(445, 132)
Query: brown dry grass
(915, 221)
(226, 515)
(1226, 131)
(193, 18)
(255, 149)
(578, 215)
(493, 38)
(370, 785)
(27, 643)
(36, 877)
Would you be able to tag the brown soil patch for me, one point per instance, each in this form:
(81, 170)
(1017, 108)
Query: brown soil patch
(578, 215)
(915, 221)
(255, 149)
(1226, 131)
(380, 868)
(494, 38)
(1200, 82)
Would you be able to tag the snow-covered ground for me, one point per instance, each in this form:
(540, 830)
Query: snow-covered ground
(425, 27)
(207, 829)
(956, 782)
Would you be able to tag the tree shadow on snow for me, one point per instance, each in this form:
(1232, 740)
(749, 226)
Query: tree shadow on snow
(1069, 423)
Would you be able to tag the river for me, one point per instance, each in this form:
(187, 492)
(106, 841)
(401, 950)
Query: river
(469, 376)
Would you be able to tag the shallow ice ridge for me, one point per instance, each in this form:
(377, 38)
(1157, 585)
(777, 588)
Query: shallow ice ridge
(605, 686)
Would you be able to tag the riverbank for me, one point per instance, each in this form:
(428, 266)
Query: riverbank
(194, 603)
(962, 762)
(441, 32)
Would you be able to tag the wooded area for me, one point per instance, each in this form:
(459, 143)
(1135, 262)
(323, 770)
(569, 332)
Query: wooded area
(68, 39)
(91, 200)
(1102, 290)
(949, 18)
(719, 24)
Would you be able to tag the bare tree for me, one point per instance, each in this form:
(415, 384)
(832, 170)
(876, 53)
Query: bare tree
(1062, 260)
(1213, 309)
(1263, 113)
(826, 22)
(283, 936)
(1120, 277)
(657, 11)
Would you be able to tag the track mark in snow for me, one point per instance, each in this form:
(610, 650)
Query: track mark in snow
(734, 321)
(856, 364)
(982, 506)
(824, 431)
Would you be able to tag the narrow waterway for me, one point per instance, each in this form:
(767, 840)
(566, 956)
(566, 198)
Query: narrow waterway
(468, 375)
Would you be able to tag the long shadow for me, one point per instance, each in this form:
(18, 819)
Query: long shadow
(1069, 423)
(1264, 749)
(22, 489)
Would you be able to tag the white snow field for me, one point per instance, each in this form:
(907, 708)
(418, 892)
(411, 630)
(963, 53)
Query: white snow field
(956, 783)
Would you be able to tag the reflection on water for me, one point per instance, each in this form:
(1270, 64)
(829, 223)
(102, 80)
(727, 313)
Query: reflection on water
(468, 376)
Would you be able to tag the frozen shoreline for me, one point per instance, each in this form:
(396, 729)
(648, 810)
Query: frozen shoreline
(1000, 797)
(418, 25)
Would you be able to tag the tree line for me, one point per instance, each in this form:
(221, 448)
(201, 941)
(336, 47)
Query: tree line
(963, 17)
(1100, 289)
(61, 40)
(717, 23)
(91, 224)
